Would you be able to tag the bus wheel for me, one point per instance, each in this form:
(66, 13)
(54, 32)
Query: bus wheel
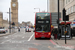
(36, 38)
(49, 38)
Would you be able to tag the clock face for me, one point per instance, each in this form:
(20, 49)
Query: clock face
(13, 4)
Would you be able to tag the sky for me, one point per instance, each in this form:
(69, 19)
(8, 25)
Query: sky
(26, 11)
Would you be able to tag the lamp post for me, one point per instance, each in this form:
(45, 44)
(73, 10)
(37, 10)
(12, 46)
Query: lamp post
(47, 5)
(37, 8)
(58, 16)
(9, 20)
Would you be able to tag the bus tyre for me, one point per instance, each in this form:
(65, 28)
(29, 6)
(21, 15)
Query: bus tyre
(49, 38)
(36, 38)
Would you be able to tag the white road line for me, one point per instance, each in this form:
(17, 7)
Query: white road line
(66, 47)
(30, 37)
(6, 37)
(22, 37)
(12, 38)
(5, 41)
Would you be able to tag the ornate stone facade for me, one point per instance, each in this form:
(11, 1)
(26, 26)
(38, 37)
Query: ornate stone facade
(69, 5)
(70, 9)
(1, 19)
(6, 23)
(14, 10)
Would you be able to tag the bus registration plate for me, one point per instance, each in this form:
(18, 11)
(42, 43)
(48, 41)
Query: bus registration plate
(42, 37)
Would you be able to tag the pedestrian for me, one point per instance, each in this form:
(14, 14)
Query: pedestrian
(19, 29)
(59, 35)
(71, 33)
(55, 33)
(52, 32)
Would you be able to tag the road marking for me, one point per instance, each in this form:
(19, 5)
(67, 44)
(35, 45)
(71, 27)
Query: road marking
(30, 37)
(5, 41)
(6, 37)
(52, 48)
(22, 37)
(32, 49)
(65, 47)
(58, 46)
(72, 47)
(36, 44)
(52, 42)
(12, 38)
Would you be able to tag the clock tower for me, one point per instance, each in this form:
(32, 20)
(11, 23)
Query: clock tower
(14, 10)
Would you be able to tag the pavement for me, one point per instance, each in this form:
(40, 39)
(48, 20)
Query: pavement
(69, 43)
(7, 33)
(4, 34)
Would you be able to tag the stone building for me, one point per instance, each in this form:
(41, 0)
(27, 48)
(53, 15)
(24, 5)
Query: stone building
(23, 24)
(14, 10)
(5, 23)
(54, 6)
(1, 19)
(70, 9)
(69, 5)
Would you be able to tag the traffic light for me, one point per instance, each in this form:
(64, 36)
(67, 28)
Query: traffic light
(65, 17)
(64, 14)
(13, 23)
(57, 21)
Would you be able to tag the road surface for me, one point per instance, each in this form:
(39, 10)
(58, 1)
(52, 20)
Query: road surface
(25, 41)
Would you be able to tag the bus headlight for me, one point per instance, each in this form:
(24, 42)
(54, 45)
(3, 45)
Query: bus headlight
(36, 33)
(49, 33)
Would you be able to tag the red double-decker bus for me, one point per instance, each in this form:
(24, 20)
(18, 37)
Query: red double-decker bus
(42, 25)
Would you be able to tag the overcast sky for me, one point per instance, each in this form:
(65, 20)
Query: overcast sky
(25, 9)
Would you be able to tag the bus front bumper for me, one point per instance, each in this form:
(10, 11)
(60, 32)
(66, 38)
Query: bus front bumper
(42, 36)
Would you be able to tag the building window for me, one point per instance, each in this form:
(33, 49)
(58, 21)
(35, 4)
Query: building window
(67, 12)
(74, 8)
(71, 9)
(68, 0)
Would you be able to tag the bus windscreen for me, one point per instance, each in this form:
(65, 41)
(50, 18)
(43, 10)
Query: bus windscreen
(43, 28)
(42, 16)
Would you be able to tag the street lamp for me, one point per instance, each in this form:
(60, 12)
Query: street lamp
(9, 20)
(37, 8)
(47, 5)
(58, 16)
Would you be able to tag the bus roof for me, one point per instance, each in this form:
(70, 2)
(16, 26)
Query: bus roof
(42, 12)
